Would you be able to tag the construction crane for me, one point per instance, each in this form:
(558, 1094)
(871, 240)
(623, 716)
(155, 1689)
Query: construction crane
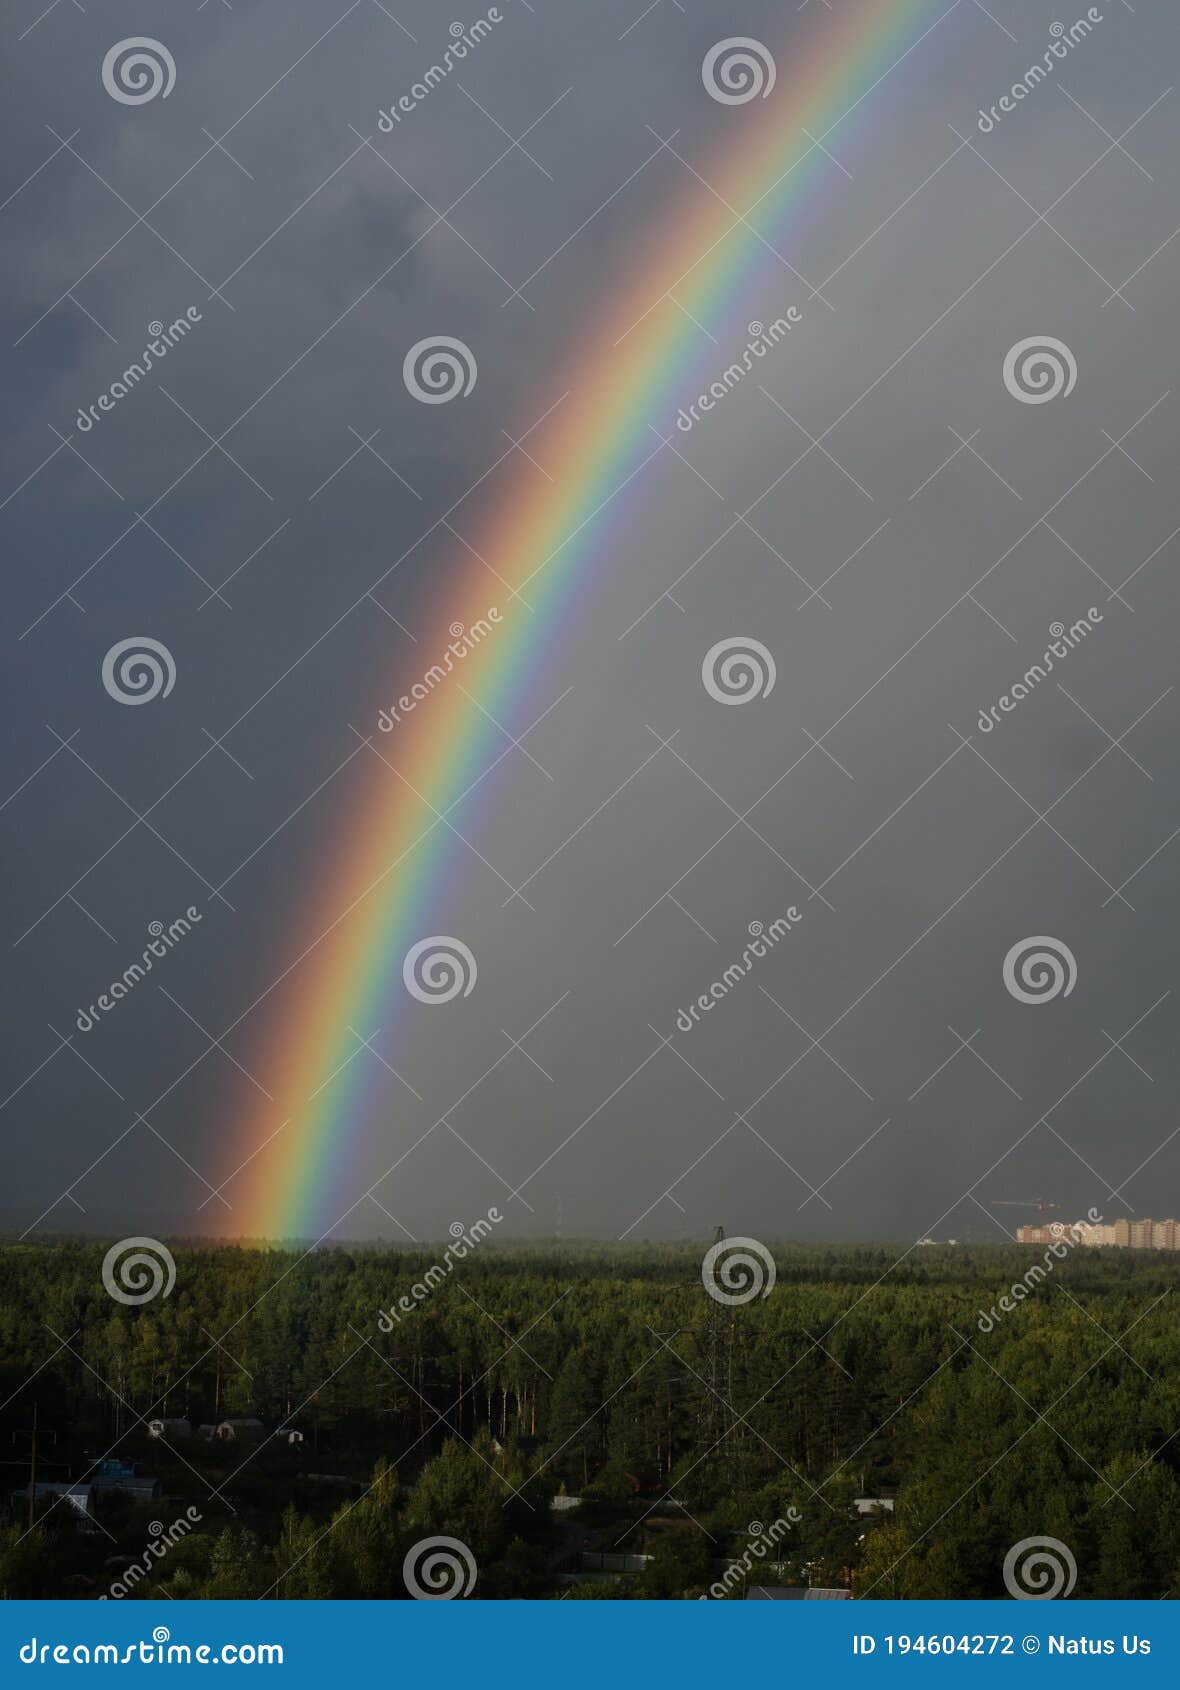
(1040, 1204)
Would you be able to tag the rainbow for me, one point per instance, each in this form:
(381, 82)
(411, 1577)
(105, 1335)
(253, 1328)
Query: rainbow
(636, 366)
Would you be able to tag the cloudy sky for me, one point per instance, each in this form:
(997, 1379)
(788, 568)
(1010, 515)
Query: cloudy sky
(876, 505)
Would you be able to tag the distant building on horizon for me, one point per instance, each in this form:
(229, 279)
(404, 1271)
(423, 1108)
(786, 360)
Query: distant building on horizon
(1144, 1234)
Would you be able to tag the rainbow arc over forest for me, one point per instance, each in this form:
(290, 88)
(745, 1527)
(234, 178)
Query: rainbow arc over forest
(634, 366)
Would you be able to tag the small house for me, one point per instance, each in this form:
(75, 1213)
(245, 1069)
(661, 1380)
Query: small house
(78, 1497)
(169, 1430)
(240, 1431)
(140, 1487)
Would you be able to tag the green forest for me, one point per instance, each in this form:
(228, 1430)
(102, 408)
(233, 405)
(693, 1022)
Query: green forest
(589, 1422)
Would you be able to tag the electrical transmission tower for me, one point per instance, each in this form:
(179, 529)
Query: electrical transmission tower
(716, 1421)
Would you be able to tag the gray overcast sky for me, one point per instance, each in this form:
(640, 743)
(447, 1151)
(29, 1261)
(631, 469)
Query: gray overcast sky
(946, 523)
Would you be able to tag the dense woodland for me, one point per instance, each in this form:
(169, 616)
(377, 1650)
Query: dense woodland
(609, 1375)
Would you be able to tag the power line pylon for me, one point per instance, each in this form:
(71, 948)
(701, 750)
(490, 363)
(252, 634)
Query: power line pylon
(716, 1423)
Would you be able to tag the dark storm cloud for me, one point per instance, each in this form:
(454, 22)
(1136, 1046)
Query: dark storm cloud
(906, 852)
